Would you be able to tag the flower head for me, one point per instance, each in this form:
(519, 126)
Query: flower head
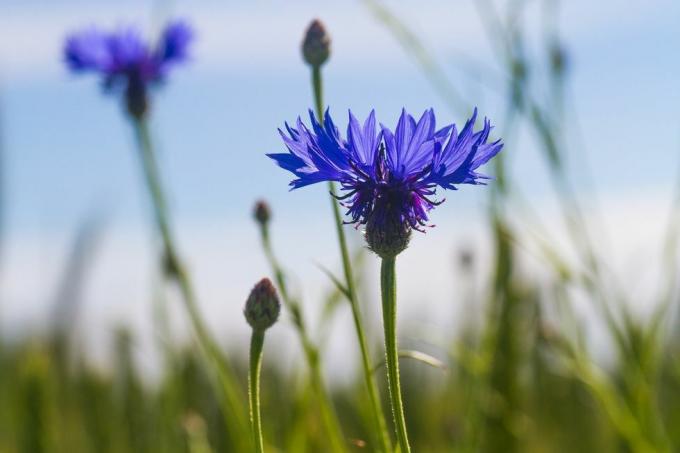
(389, 178)
(125, 61)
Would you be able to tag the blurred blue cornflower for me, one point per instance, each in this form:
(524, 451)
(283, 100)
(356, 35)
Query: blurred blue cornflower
(126, 62)
(389, 178)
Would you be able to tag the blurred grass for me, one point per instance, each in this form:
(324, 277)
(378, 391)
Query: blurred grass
(520, 379)
(514, 385)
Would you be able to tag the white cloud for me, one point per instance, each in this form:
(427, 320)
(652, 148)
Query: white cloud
(225, 260)
(266, 35)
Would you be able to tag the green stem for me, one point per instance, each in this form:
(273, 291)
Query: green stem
(376, 408)
(311, 352)
(256, 343)
(175, 270)
(388, 286)
(317, 86)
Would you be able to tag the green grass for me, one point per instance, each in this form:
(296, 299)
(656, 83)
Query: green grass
(513, 385)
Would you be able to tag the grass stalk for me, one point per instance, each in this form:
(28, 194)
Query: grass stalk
(311, 352)
(231, 400)
(377, 414)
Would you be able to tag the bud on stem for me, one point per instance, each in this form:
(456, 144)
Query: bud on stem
(262, 213)
(316, 45)
(263, 306)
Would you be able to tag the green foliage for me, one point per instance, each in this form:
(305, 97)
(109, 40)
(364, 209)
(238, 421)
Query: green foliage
(513, 384)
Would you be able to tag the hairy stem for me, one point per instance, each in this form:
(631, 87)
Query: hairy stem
(256, 343)
(388, 287)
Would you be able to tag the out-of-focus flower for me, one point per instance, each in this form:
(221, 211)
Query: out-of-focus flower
(263, 306)
(262, 212)
(316, 45)
(389, 178)
(126, 62)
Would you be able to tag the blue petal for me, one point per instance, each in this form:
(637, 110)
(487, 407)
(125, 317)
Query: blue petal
(174, 43)
(287, 161)
(464, 153)
(314, 155)
(328, 139)
(402, 136)
(127, 48)
(363, 142)
(87, 50)
(418, 153)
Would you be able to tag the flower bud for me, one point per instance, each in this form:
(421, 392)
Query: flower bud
(263, 306)
(316, 46)
(262, 213)
(559, 59)
(466, 259)
(387, 237)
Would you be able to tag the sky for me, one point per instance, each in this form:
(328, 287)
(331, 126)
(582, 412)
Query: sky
(69, 155)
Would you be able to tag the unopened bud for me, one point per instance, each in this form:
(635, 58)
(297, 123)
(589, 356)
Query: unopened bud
(316, 46)
(263, 306)
(262, 213)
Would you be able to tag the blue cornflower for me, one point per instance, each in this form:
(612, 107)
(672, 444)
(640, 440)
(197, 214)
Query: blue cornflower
(389, 178)
(126, 62)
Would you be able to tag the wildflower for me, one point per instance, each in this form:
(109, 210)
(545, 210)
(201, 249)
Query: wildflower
(316, 45)
(126, 62)
(263, 306)
(389, 178)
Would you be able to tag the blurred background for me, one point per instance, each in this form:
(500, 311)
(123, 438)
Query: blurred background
(547, 302)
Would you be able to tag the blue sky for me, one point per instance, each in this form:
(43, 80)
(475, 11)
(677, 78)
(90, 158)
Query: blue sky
(217, 117)
(69, 151)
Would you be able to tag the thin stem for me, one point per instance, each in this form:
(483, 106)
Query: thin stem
(388, 287)
(175, 270)
(317, 86)
(376, 409)
(256, 343)
(311, 352)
